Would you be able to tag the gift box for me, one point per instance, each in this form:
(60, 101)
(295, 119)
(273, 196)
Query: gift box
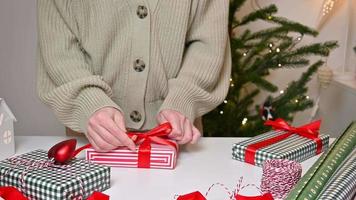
(160, 157)
(284, 142)
(153, 150)
(39, 178)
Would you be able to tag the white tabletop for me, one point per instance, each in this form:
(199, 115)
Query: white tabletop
(198, 167)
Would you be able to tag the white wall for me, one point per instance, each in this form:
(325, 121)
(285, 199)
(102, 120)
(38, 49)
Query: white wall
(18, 48)
(17, 69)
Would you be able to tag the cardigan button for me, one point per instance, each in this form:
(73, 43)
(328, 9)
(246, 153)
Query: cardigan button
(136, 116)
(142, 12)
(139, 65)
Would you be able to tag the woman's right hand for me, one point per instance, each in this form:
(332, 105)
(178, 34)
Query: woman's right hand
(106, 130)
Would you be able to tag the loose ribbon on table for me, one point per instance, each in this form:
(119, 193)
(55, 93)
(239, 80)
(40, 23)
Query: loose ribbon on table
(232, 195)
(157, 135)
(310, 131)
(12, 193)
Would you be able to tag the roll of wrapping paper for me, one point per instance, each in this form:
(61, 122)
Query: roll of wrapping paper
(342, 185)
(313, 182)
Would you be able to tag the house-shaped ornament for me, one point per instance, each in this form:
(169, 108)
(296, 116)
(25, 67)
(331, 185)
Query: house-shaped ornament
(7, 140)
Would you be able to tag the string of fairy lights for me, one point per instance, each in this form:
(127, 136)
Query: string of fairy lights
(272, 48)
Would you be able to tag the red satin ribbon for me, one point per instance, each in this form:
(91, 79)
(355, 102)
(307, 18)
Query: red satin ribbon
(192, 196)
(12, 193)
(198, 196)
(267, 196)
(310, 131)
(157, 135)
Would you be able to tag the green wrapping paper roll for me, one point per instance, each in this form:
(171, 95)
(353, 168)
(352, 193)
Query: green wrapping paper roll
(342, 186)
(313, 182)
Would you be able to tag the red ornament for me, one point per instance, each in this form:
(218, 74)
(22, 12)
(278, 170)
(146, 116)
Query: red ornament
(63, 151)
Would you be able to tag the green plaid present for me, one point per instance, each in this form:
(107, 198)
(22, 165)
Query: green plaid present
(294, 147)
(77, 180)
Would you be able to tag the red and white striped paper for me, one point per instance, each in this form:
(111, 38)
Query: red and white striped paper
(162, 157)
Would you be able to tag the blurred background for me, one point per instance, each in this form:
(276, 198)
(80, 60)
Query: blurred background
(337, 101)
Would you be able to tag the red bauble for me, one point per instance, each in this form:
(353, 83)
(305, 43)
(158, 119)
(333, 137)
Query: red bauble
(63, 151)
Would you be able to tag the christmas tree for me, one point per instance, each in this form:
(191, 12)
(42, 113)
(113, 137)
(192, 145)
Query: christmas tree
(254, 56)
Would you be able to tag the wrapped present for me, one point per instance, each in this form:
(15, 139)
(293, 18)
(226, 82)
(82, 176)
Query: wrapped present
(37, 177)
(153, 150)
(284, 142)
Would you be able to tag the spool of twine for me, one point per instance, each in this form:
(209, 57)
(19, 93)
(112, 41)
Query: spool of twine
(280, 176)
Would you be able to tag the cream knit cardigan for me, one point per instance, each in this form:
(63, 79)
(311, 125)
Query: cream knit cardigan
(88, 50)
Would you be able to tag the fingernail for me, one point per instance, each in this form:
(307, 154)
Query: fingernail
(132, 147)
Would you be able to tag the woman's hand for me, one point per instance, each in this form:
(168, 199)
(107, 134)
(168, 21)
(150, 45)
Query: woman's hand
(106, 130)
(183, 130)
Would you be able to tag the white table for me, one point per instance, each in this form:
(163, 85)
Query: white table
(198, 167)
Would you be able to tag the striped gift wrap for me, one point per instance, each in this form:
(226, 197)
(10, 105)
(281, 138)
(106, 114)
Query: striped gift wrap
(294, 147)
(162, 157)
(77, 180)
(342, 185)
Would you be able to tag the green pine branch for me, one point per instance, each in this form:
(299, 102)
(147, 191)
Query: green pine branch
(254, 55)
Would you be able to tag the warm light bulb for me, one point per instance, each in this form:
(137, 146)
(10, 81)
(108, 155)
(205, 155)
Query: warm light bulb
(282, 91)
(278, 50)
(244, 121)
(221, 112)
(225, 101)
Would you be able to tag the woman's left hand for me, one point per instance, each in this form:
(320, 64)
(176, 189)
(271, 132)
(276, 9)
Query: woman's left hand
(183, 130)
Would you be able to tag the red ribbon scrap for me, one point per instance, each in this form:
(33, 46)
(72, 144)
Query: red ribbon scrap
(12, 193)
(310, 131)
(198, 196)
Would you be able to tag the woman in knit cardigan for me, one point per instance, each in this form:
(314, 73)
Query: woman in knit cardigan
(110, 64)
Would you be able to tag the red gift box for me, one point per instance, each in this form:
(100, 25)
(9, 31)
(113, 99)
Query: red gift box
(153, 150)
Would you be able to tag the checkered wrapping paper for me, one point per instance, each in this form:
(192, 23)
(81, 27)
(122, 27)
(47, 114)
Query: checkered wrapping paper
(54, 183)
(342, 185)
(294, 147)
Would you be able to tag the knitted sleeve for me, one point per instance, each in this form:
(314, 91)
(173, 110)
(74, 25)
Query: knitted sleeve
(65, 80)
(203, 81)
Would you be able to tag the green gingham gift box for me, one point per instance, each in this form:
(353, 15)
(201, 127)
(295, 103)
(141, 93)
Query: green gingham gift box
(294, 147)
(77, 180)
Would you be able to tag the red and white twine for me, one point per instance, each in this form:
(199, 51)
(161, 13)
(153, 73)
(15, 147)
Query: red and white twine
(279, 177)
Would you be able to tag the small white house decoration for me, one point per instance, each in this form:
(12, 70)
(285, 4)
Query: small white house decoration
(7, 140)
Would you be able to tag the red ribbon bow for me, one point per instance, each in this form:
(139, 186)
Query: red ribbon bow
(157, 135)
(12, 193)
(310, 131)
